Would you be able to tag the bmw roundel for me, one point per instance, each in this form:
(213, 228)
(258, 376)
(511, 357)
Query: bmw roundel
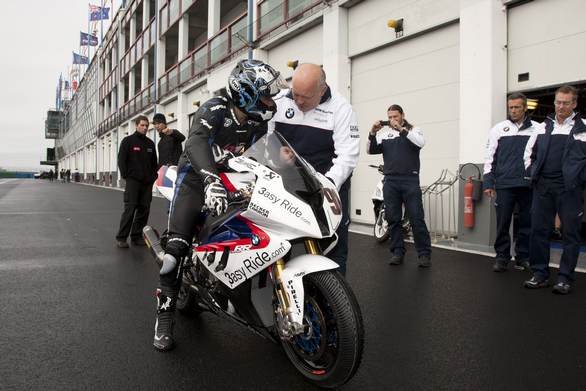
(289, 113)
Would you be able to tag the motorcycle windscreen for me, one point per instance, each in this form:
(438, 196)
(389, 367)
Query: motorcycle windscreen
(299, 177)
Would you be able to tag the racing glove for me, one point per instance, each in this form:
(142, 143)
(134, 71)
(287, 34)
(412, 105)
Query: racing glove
(216, 198)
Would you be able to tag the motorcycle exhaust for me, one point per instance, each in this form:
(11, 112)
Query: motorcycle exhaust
(151, 237)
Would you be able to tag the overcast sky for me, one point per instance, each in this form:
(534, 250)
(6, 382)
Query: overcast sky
(36, 41)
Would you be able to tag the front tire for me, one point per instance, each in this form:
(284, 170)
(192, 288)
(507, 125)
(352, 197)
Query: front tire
(381, 226)
(329, 352)
(187, 300)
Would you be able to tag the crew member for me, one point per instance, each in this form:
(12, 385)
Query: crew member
(400, 145)
(555, 158)
(504, 177)
(321, 127)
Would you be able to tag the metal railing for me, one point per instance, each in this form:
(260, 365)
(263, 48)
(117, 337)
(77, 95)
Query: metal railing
(221, 47)
(109, 83)
(138, 103)
(109, 123)
(279, 18)
(138, 49)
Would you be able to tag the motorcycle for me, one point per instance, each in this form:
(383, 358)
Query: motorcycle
(381, 227)
(240, 266)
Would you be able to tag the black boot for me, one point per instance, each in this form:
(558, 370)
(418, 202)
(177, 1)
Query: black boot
(165, 320)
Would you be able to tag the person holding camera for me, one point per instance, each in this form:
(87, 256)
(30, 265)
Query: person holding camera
(400, 143)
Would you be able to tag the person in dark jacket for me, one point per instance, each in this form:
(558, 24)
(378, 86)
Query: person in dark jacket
(169, 145)
(555, 158)
(400, 145)
(137, 161)
(222, 126)
(506, 183)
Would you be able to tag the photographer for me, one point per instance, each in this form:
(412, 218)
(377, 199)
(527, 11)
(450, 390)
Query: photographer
(400, 143)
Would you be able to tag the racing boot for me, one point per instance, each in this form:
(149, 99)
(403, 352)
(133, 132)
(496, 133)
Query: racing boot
(163, 340)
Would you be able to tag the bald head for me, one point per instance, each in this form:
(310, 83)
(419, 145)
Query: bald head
(308, 86)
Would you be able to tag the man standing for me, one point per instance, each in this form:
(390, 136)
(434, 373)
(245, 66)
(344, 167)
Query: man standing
(137, 161)
(504, 177)
(170, 140)
(555, 157)
(321, 126)
(400, 146)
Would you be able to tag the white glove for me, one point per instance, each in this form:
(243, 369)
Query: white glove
(216, 198)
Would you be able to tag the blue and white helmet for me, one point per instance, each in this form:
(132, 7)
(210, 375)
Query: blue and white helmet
(249, 81)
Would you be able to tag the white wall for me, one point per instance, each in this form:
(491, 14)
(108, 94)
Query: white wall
(305, 47)
(422, 76)
(547, 38)
(367, 21)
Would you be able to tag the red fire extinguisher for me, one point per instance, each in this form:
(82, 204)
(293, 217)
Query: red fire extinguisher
(468, 204)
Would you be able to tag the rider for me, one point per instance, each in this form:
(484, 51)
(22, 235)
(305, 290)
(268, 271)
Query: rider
(225, 124)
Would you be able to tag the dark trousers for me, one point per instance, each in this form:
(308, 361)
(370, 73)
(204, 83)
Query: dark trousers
(184, 217)
(399, 191)
(505, 202)
(339, 254)
(550, 198)
(137, 205)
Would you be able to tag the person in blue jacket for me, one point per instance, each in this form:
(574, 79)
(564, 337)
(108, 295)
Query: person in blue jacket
(555, 158)
(505, 182)
(400, 145)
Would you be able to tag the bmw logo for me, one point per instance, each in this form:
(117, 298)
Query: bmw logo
(289, 113)
(255, 240)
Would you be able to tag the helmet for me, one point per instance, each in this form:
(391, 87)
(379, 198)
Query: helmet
(249, 81)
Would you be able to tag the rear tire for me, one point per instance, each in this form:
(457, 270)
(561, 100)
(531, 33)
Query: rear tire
(329, 353)
(381, 226)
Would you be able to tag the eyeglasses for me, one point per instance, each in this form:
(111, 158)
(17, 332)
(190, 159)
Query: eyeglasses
(563, 103)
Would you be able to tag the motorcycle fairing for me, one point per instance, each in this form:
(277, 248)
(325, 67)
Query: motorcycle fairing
(236, 260)
(165, 182)
(292, 276)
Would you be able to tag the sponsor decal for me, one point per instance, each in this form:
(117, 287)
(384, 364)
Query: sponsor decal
(217, 107)
(242, 247)
(270, 175)
(149, 150)
(136, 148)
(246, 163)
(322, 120)
(205, 123)
(255, 240)
(258, 209)
(323, 111)
(283, 203)
(354, 136)
(291, 289)
(253, 264)
(227, 122)
(234, 84)
(290, 113)
(354, 128)
(300, 274)
(506, 129)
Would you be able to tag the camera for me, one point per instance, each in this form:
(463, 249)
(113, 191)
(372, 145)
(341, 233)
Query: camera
(385, 123)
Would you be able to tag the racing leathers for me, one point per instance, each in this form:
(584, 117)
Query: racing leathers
(215, 122)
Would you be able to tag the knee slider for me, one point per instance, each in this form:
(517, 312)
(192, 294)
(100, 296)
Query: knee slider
(177, 249)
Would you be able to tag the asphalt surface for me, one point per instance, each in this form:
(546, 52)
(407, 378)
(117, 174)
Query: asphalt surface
(77, 313)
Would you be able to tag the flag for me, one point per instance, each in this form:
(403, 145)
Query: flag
(66, 85)
(79, 59)
(87, 39)
(99, 13)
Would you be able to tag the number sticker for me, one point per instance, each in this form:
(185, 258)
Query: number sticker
(334, 201)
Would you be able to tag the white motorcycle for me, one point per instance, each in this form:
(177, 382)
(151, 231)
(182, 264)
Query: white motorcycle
(381, 228)
(240, 267)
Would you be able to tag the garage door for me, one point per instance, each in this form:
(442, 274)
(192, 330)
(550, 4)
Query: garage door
(547, 42)
(421, 75)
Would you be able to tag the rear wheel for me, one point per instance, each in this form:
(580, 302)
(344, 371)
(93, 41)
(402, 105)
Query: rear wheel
(329, 351)
(381, 226)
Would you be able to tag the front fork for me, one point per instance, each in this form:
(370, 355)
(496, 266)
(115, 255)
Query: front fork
(285, 322)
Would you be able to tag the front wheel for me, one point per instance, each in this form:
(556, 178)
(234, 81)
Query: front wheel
(329, 351)
(381, 226)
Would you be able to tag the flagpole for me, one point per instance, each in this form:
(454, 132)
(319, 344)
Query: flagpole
(102, 24)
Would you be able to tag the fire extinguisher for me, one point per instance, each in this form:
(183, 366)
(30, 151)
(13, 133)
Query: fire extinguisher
(468, 204)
